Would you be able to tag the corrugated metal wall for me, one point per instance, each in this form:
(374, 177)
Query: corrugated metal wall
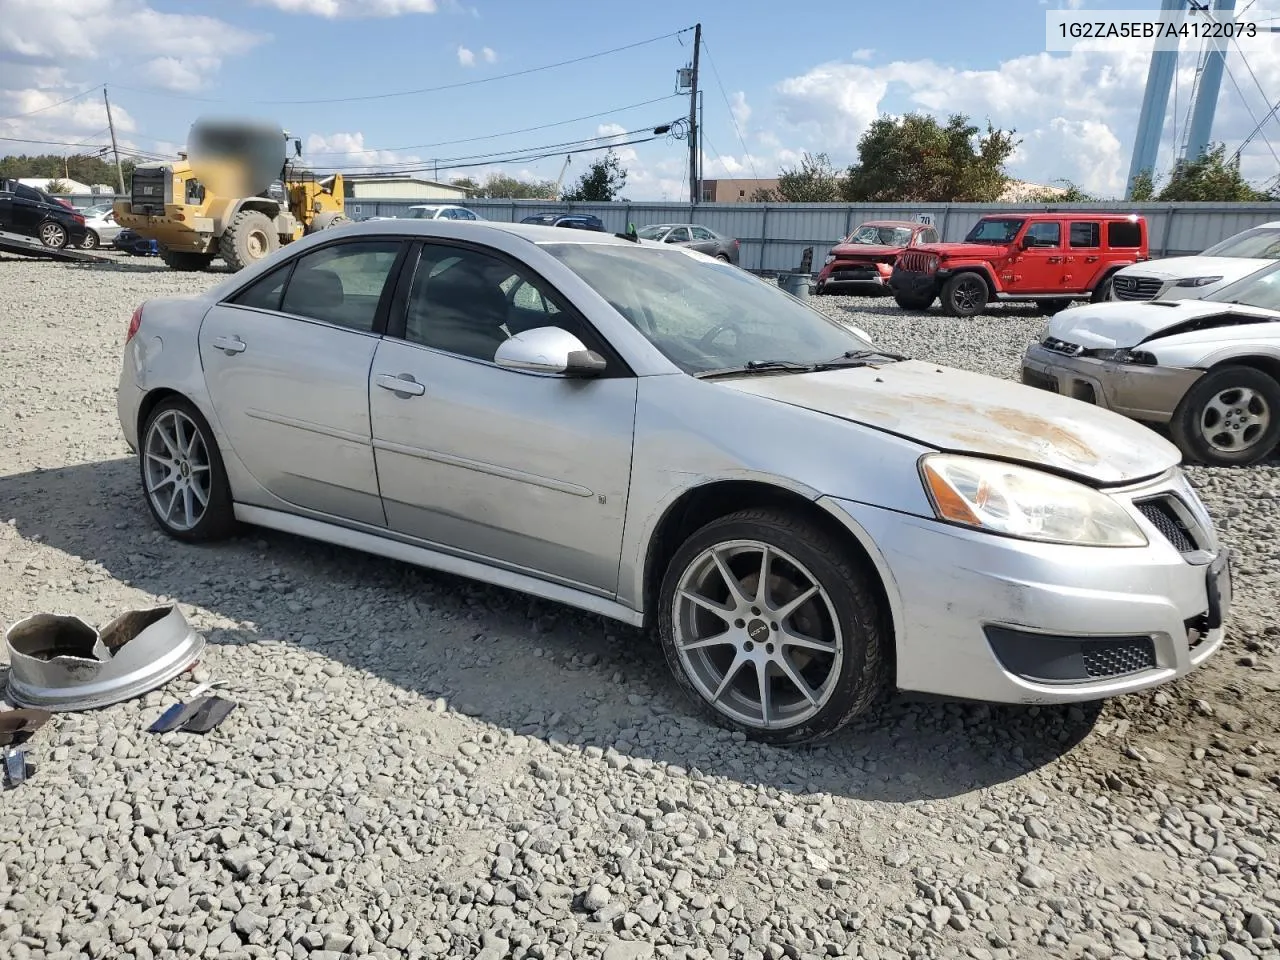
(774, 236)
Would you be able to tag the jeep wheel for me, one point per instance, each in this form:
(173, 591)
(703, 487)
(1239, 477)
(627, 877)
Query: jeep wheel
(1229, 417)
(964, 295)
(914, 304)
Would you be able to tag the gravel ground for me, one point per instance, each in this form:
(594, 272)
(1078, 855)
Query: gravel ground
(424, 767)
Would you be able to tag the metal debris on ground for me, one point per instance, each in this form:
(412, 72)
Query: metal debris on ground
(60, 662)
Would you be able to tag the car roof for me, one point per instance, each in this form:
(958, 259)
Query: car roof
(463, 229)
(1090, 214)
(893, 223)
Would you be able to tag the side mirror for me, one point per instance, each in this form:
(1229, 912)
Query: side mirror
(549, 350)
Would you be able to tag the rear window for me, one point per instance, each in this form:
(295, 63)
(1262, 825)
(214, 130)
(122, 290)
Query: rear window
(1124, 233)
(1086, 235)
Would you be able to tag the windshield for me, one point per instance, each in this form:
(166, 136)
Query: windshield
(880, 236)
(994, 230)
(1260, 243)
(1261, 289)
(652, 233)
(423, 213)
(100, 210)
(703, 314)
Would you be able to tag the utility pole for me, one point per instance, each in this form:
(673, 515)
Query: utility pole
(694, 151)
(114, 149)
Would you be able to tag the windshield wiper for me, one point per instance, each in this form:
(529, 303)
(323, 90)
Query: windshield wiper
(758, 366)
(860, 358)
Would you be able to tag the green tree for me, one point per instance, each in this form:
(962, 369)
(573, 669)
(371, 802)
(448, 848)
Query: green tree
(58, 186)
(916, 159)
(815, 181)
(499, 186)
(1073, 194)
(1143, 188)
(764, 195)
(467, 184)
(83, 168)
(1212, 178)
(602, 182)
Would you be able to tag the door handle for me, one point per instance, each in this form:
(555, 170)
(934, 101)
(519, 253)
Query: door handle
(1053, 260)
(402, 385)
(1090, 259)
(230, 345)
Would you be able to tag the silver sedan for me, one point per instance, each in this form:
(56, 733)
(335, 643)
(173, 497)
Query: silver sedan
(639, 430)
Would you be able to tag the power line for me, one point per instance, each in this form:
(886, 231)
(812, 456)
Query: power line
(54, 143)
(732, 119)
(495, 136)
(31, 113)
(409, 93)
(422, 168)
(1232, 77)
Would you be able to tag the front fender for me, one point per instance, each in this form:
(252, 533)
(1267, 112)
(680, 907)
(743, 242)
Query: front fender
(949, 269)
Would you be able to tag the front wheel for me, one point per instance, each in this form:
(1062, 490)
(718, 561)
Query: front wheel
(772, 628)
(183, 478)
(90, 241)
(1229, 417)
(964, 295)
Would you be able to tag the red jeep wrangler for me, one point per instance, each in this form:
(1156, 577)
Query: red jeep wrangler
(1049, 259)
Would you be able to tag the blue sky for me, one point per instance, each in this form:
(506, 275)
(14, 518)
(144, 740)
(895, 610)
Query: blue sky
(775, 85)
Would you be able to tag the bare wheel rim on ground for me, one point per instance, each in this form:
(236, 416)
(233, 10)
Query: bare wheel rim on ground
(757, 634)
(1234, 419)
(177, 470)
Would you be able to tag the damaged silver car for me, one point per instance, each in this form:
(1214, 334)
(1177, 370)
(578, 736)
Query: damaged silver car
(1209, 368)
(805, 520)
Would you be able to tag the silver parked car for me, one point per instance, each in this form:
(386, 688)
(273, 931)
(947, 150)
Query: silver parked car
(1208, 368)
(696, 237)
(645, 432)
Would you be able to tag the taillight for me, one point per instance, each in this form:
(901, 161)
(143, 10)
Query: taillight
(736, 245)
(134, 323)
(78, 217)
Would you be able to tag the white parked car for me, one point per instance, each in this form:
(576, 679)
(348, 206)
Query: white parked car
(435, 211)
(100, 225)
(1208, 368)
(1190, 278)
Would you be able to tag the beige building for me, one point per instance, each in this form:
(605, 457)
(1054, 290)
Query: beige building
(400, 188)
(734, 191)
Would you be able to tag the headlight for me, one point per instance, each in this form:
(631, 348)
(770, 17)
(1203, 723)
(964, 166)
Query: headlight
(1029, 504)
(1124, 355)
(1197, 281)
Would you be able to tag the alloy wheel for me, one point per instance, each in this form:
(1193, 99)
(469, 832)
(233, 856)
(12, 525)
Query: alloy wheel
(52, 235)
(967, 295)
(757, 634)
(177, 472)
(1234, 419)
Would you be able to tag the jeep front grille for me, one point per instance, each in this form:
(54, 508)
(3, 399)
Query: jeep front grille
(915, 262)
(1136, 288)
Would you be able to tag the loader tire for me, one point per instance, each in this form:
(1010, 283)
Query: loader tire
(250, 238)
(185, 260)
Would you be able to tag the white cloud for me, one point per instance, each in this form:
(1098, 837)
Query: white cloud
(184, 75)
(1075, 113)
(490, 55)
(335, 9)
(347, 151)
(740, 109)
(466, 57)
(862, 53)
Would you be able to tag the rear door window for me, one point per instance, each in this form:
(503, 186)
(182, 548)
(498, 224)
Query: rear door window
(1086, 234)
(341, 284)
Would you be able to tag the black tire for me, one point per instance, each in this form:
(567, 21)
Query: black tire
(185, 260)
(1047, 308)
(53, 234)
(218, 521)
(863, 676)
(913, 304)
(250, 238)
(90, 241)
(964, 295)
(1219, 385)
(723, 258)
(1103, 290)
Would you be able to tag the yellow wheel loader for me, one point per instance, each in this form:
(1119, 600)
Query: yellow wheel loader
(233, 194)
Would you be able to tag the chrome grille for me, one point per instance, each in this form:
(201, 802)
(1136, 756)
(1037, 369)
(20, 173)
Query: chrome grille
(1136, 288)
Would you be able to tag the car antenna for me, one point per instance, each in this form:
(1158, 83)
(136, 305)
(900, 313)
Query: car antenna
(631, 234)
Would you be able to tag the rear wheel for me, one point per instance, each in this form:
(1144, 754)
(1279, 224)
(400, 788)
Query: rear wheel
(1229, 417)
(772, 628)
(914, 304)
(53, 234)
(90, 241)
(250, 237)
(183, 478)
(964, 295)
(185, 260)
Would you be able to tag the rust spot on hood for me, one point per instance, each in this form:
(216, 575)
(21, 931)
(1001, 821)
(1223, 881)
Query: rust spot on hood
(1051, 433)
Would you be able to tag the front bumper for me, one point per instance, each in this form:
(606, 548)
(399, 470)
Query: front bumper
(988, 618)
(851, 276)
(1146, 393)
(915, 285)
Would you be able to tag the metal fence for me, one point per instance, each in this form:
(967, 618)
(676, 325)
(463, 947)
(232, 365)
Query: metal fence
(773, 236)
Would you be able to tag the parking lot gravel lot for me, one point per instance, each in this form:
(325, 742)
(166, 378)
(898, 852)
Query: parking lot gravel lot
(420, 766)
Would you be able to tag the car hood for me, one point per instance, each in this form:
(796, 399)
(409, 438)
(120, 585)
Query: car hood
(850, 250)
(980, 250)
(970, 413)
(1229, 268)
(1118, 323)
